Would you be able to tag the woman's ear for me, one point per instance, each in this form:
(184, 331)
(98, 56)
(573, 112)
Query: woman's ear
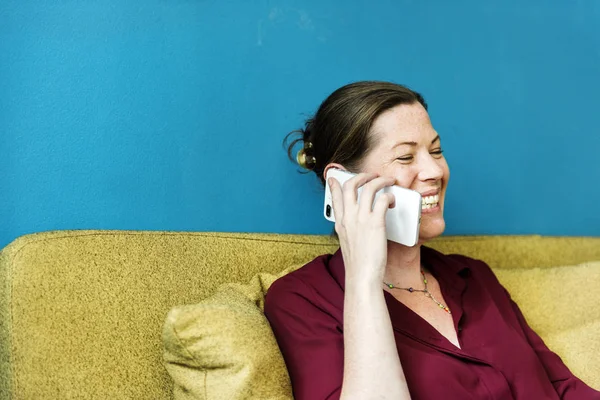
(332, 165)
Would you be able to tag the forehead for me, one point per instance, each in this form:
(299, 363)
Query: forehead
(404, 123)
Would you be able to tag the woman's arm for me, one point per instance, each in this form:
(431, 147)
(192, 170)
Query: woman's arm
(567, 385)
(372, 368)
(309, 336)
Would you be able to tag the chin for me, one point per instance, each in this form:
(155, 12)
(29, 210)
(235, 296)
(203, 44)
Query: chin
(431, 229)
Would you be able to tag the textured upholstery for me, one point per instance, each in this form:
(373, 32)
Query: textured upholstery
(558, 308)
(81, 312)
(223, 347)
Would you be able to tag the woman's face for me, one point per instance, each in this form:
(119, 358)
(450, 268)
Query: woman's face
(409, 149)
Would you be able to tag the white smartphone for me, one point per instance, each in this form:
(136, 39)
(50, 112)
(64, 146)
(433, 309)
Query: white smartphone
(401, 222)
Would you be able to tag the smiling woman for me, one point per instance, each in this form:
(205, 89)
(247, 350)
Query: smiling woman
(408, 149)
(381, 320)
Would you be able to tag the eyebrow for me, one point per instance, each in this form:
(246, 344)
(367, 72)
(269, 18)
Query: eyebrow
(414, 143)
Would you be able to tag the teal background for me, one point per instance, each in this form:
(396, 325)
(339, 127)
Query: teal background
(169, 115)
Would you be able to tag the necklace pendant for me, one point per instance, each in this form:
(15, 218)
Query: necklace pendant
(411, 290)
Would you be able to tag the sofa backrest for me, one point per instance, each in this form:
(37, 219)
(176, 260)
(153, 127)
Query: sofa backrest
(81, 312)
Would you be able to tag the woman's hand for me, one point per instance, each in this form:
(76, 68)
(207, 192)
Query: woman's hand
(361, 226)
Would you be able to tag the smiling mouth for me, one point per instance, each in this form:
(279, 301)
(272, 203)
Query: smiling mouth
(428, 202)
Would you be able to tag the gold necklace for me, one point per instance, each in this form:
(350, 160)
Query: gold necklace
(427, 293)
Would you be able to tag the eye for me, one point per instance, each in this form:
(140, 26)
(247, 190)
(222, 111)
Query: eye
(437, 152)
(405, 159)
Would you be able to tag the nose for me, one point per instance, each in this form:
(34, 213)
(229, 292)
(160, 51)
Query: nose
(430, 169)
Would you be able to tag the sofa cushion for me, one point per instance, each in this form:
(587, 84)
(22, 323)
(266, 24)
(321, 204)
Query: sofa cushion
(558, 303)
(223, 347)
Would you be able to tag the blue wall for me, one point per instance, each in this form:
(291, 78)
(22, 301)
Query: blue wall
(169, 115)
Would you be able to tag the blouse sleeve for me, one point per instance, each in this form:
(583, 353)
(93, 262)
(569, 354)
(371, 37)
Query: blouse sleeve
(567, 385)
(309, 337)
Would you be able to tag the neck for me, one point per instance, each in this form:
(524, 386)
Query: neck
(403, 265)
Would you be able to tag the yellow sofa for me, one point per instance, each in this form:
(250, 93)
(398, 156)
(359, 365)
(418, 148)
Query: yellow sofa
(81, 312)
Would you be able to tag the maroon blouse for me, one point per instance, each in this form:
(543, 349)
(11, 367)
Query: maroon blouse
(501, 357)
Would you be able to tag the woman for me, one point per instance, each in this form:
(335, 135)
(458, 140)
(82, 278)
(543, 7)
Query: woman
(379, 320)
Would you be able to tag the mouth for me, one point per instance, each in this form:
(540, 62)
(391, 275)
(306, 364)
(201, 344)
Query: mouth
(430, 200)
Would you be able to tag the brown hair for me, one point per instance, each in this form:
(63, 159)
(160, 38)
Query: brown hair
(339, 130)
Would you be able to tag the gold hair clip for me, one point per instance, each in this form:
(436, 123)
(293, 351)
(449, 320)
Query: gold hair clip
(301, 158)
(306, 162)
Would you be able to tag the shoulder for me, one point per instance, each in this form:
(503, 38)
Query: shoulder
(314, 285)
(302, 279)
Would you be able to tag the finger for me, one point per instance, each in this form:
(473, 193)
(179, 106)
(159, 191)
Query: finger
(369, 191)
(337, 198)
(351, 186)
(384, 202)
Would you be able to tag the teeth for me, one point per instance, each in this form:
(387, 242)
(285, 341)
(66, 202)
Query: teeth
(430, 200)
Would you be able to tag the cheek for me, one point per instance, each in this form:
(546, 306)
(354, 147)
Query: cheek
(405, 175)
